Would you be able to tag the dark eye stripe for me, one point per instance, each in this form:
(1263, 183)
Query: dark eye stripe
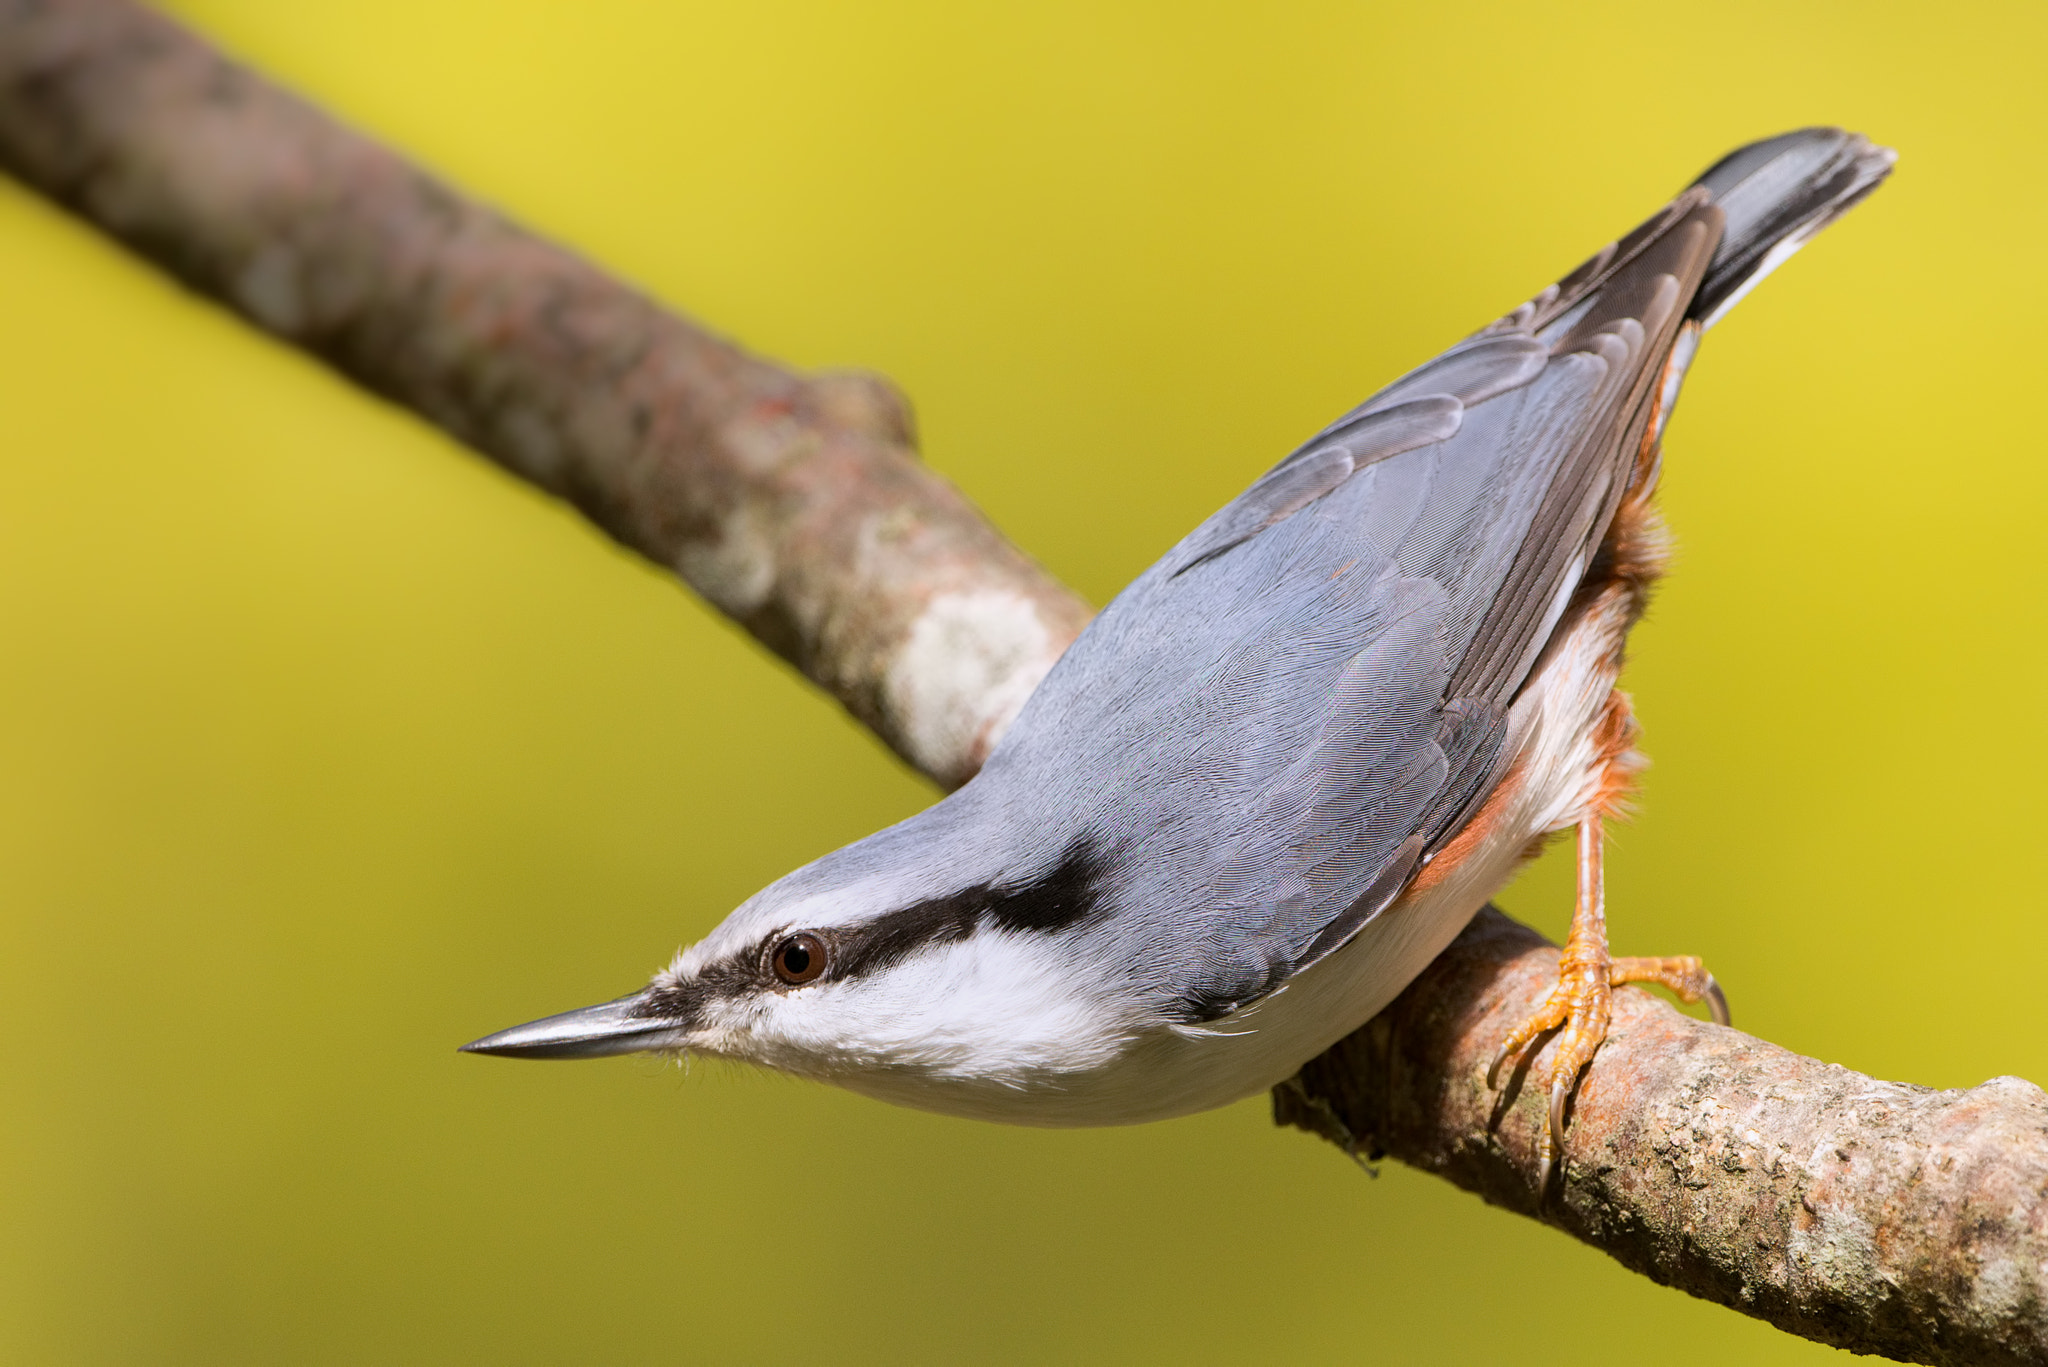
(681, 1001)
(1062, 896)
(895, 937)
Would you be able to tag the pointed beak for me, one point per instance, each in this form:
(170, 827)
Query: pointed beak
(625, 1026)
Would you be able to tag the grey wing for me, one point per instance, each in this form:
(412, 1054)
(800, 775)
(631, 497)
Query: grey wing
(1307, 697)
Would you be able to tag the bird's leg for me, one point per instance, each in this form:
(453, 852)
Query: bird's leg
(1583, 1000)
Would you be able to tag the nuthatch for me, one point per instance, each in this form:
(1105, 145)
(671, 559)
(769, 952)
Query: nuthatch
(1282, 770)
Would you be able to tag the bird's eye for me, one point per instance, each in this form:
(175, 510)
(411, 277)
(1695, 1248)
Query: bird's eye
(799, 959)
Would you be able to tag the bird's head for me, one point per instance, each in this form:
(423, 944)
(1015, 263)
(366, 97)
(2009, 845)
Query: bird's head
(856, 982)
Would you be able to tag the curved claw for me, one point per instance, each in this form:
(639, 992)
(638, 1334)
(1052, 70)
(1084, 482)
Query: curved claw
(1560, 1091)
(1493, 1069)
(1717, 1001)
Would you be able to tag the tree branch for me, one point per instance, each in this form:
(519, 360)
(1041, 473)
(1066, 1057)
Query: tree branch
(1875, 1216)
(795, 504)
(1871, 1215)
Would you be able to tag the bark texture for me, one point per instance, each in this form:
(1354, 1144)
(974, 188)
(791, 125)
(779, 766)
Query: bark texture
(1880, 1217)
(795, 504)
(1875, 1216)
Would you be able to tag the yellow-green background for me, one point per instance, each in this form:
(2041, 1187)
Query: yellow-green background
(324, 747)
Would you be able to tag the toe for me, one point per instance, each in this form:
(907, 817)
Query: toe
(1546, 1018)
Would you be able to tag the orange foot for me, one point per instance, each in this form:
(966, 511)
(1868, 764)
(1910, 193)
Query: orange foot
(1583, 1000)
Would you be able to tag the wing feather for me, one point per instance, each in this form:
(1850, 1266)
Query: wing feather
(1318, 468)
(1383, 592)
(1281, 720)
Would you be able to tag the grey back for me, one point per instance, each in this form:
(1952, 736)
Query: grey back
(1253, 749)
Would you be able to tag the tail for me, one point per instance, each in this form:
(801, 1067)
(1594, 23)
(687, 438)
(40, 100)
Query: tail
(1771, 195)
(1764, 200)
(1640, 304)
(1776, 194)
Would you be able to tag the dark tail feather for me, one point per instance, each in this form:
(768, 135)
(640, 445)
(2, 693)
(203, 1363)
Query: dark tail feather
(1778, 193)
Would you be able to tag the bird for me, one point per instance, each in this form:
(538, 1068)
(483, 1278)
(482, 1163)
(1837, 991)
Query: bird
(1287, 764)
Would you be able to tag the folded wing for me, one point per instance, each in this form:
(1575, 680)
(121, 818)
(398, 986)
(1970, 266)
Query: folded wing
(1308, 695)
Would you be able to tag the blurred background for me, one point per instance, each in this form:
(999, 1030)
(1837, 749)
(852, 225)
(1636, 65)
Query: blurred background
(325, 747)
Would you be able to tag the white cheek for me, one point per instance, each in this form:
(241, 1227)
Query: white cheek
(993, 1007)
